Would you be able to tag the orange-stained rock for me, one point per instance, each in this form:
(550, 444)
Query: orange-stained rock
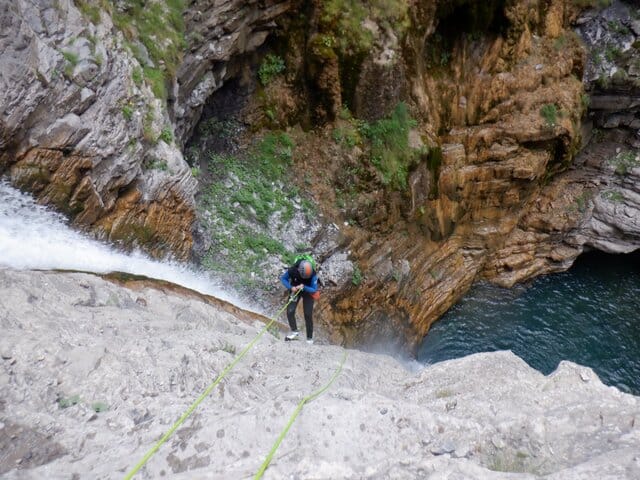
(474, 216)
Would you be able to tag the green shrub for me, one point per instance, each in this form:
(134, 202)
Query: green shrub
(613, 196)
(611, 53)
(356, 278)
(624, 162)
(166, 135)
(127, 112)
(156, 80)
(159, 26)
(344, 19)
(147, 125)
(195, 171)
(158, 164)
(274, 154)
(70, 57)
(72, 60)
(389, 146)
(99, 407)
(618, 27)
(271, 66)
(65, 402)
(550, 114)
(346, 136)
(92, 12)
(137, 76)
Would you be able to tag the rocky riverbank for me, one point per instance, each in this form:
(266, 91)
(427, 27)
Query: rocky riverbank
(93, 373)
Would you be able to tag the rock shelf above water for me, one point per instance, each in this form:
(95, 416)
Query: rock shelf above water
(92, 374)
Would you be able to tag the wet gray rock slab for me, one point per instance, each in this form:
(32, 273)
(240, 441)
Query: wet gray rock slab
(93, 374)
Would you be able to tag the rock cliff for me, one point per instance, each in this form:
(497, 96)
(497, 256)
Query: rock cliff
(487, 102)
(92, 374)
(529, 129)
(595, 203)
(94, 113)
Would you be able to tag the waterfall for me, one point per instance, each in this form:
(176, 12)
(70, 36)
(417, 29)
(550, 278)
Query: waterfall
(33, 237)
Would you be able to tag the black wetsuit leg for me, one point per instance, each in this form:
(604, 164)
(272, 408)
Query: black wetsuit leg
(307, 306)
(291, 314)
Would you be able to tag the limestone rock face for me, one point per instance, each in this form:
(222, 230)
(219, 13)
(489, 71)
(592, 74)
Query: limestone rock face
(222, 35)
(501, 112)
(596, 203)
(81, 130)
(80, 134)
(92, 374)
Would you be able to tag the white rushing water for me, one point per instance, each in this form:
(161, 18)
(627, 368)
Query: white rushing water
(33, 237)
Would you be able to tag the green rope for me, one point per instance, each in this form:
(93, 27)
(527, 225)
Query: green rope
(195, 404)
(292, 419)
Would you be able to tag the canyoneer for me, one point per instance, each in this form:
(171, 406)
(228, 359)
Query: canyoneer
(301, 280)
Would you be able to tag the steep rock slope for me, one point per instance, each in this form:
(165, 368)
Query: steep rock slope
(92, 108)
(91, 374)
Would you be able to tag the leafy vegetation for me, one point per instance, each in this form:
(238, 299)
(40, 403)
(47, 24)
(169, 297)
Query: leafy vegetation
(550, 114)
(137, 76)
(99, 407)
(271, 66)
(70, 57)
(347, 136)
(618, 27)
(157, 164)
(612, 52)
(158, 26)
(66, 402)
(90, 10)
(243, 197)
(356, 278)
(127, 112)
(344, 20)
(156, 80)
(624, 162)
(614, 196)
(147, 125)
(390, 152)
(166, 135)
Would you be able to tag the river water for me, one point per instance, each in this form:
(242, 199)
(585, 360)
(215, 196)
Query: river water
(36, 238)
(589, 315)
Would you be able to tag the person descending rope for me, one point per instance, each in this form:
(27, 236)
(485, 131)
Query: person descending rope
(301, 276)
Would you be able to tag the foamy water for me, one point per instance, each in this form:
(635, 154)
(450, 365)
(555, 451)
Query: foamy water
(33, 237)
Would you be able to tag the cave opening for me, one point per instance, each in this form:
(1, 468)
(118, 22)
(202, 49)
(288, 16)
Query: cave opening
(471, 18)
(463, 20)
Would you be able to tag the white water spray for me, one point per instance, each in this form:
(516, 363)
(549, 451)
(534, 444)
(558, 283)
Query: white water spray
(33, 237)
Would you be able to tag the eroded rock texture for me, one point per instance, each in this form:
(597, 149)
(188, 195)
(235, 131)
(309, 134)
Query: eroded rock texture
(93, 374)
(80, 134)
(505, 109)
(82, 131)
